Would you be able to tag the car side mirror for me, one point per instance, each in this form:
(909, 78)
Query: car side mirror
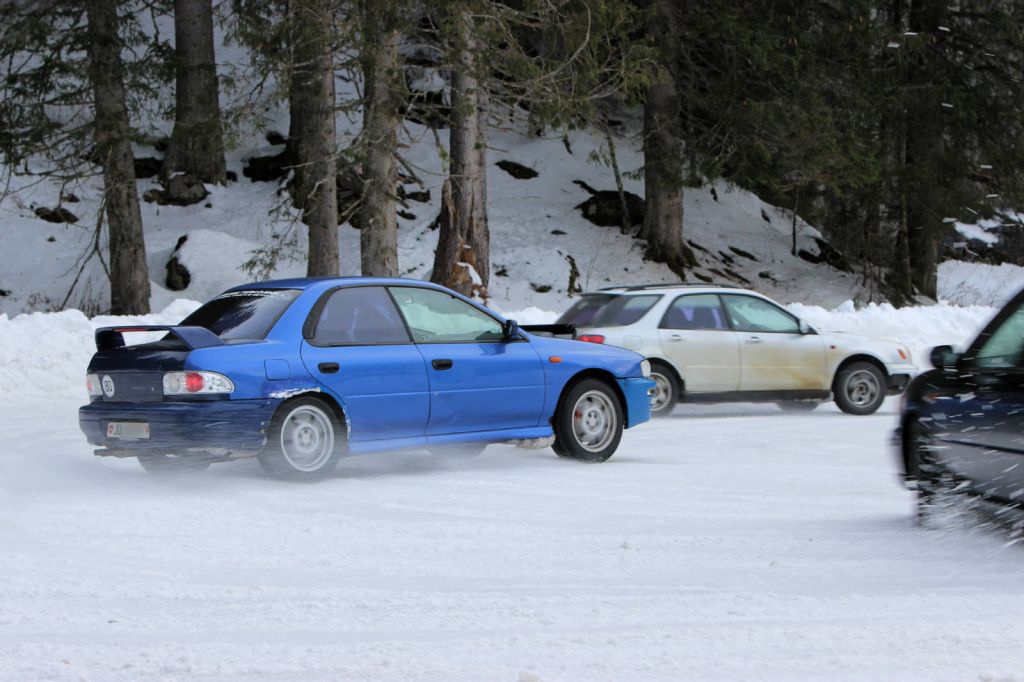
(943, 357)
(806, 328)
(510, 330)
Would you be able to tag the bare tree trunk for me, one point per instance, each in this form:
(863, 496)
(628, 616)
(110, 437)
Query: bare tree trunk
(311, 141)
(626, 225)
(663, 155)
(378, 237)
(197, 142)
(463, 246)
(129, 274)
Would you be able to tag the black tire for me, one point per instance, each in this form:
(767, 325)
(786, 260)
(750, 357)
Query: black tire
(592, 406)
(933, 499)
(162, 464)
(666, 389)
(797, 405)
(859, 388)
(457, 450)
(305, 441)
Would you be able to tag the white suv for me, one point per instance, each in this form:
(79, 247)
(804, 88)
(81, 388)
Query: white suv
(714, 343)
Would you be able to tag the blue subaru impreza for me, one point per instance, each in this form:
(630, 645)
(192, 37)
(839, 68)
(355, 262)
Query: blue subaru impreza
(299, 372)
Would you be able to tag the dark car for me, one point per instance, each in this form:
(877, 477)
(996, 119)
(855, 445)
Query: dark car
(962, 425)
(299, 372)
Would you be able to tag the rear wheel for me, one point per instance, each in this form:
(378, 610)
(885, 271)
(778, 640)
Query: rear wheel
(304, 441)
(588, 424)
(666, 390)
(859, 388)
(162, 464)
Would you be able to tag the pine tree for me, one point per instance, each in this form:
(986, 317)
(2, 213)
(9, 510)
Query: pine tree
(129, 273)
(462, 258)
(382, 90)
(197, 142)
(311, 134)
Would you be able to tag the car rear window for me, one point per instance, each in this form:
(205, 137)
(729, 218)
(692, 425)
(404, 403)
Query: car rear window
(245, 314)
(608, 310)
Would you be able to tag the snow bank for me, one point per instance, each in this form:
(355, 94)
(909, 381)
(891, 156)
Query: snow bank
(47, 353)
(979, 283)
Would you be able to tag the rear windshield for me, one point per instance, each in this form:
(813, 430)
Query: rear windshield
(608, 310)
(242, 314)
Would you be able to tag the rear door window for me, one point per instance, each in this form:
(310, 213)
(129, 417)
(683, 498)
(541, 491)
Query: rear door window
(696, 311)
(242, 314)
(611, 310)
(359, 316)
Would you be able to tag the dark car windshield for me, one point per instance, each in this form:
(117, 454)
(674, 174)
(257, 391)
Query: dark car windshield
(608, 310)
(242, 314)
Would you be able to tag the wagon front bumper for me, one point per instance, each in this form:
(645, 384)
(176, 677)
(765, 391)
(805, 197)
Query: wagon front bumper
(233, 425)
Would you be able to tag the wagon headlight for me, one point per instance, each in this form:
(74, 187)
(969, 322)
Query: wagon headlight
(645, 368)
(196, 383)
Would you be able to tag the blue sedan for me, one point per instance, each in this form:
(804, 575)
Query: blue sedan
(301, 372)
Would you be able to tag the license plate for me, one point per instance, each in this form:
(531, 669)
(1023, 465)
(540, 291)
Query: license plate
(128, 430)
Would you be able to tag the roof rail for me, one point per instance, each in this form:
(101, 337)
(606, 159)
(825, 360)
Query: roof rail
(664, 285)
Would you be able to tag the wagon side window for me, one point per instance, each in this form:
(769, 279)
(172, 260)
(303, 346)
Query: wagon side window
(695, 311)
(749, 314)
(359, 316)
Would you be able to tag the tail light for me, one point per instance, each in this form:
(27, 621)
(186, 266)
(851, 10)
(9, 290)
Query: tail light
(591, 338)
(196, 383)
(93, 385)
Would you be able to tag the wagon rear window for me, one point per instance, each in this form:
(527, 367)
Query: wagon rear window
(608, 310)
(242, 314)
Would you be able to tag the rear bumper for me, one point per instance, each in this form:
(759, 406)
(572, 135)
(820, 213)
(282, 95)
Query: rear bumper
(638, 400)
(174, 426)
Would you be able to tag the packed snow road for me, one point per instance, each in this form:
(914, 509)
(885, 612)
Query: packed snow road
(724, 543)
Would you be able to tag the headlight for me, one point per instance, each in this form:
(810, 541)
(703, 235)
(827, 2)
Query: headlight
(196, 383)
(645, 368)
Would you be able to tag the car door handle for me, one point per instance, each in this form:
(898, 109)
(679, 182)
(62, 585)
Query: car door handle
(754, 339)
(328, 367)
(676, 338)
(442, 363)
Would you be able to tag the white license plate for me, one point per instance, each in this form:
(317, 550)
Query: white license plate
(128, 430)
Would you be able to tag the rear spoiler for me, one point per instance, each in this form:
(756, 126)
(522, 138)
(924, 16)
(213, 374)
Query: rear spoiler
(556, 330)
(112, 338)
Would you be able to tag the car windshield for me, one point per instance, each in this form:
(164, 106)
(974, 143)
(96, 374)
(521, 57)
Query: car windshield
(247, 314)
(608, 310)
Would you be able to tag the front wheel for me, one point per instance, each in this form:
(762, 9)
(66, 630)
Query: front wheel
(303, 442)
(588, 424)
(859, 388)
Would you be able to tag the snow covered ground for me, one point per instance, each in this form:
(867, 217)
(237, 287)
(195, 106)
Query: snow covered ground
(722, 543)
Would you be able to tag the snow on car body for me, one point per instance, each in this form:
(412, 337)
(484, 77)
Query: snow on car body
(296, 371)
(711, 343)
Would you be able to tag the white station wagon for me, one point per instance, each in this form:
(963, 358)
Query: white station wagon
(715, 343)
